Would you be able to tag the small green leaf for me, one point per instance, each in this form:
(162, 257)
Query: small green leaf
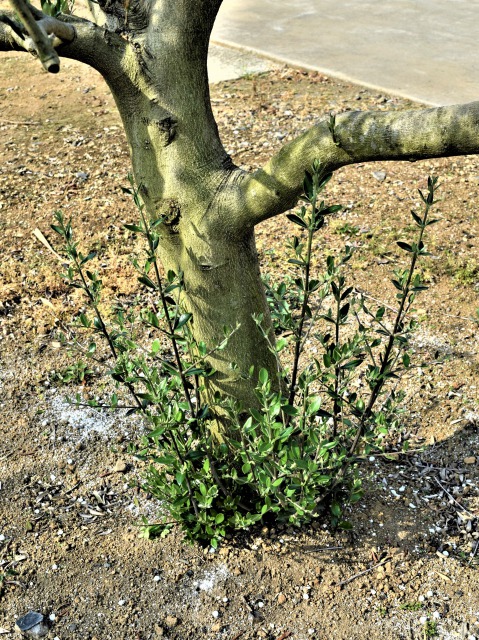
(133, 227)
(155, 346)
(147, 282)
(182, 320)
(417, 218)
(335, 509)
(405, 246)
(297, 220)
(263, 376)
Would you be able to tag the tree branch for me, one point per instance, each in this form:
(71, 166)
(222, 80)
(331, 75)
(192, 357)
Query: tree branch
(357, 137)
(72, 36)
(11, 34)
(42, 44)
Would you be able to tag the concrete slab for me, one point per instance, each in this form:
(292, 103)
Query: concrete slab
(226, 63)
(422, 49)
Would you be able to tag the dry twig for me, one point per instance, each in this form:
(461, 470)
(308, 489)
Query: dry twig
(362, 573)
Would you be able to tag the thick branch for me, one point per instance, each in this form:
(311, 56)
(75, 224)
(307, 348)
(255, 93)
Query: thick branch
(11, 34)
(358, 137)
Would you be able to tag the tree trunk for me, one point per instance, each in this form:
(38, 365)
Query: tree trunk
(186, 178)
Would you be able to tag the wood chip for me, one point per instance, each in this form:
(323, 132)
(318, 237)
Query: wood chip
(443, 576)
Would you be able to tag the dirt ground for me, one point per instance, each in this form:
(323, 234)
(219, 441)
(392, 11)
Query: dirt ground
(69, 507)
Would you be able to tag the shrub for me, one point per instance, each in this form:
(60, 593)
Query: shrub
(296, 452)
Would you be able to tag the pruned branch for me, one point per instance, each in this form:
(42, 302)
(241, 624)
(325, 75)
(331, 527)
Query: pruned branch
(34, 32)
(72, 36)
(41, 42)
(358, 137)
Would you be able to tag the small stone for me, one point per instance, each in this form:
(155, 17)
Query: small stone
(379, 175)
(158, 631)
(120, 466)
(216, 627)
(171, 621)
(281, 598)
(215, 614)
(33, 625)
(470, 460)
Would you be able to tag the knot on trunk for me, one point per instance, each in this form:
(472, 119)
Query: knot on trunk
(167, 128)
(170, 211)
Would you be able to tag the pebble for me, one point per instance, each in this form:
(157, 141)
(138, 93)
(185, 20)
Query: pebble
(281, 598)
(379, 175)
(32, 625)
(120, 466)
(470, 460)
(215, 614)
(171, 621)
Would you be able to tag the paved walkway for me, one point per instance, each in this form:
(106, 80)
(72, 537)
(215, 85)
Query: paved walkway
(422, 49)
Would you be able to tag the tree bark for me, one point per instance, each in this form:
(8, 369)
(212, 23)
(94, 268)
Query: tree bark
(153, 56)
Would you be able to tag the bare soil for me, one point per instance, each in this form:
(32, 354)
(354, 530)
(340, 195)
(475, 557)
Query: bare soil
(69, 507)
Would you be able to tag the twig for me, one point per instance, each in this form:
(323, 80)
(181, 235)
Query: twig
(394, 310)
(463, 509)
(72, 488)
(285, 635)
(389, 454)
(362, 573)
(428, 466)
(473, 554)
(320, 549)
(18, 122)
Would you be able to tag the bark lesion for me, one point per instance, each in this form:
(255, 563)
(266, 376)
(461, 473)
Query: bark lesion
(170, 213)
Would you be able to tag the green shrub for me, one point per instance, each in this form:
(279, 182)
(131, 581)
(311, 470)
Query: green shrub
(296, 452)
